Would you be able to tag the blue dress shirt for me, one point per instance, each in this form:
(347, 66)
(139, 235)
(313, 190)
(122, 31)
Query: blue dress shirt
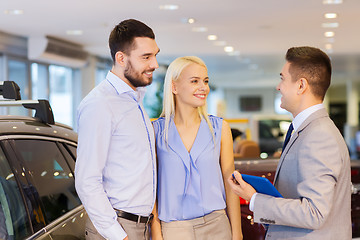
(190, 184)
(115, 166)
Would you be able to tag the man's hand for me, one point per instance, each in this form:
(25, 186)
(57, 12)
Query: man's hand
(240, 187)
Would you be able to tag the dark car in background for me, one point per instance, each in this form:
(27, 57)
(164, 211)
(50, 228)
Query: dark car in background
(37, 159)
(266, 168)
(271, 134)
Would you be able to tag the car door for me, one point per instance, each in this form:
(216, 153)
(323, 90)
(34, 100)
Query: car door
(48, 167)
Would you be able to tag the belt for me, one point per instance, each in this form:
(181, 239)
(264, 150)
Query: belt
(133, 217)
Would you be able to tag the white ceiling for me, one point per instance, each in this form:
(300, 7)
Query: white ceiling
(261, 30)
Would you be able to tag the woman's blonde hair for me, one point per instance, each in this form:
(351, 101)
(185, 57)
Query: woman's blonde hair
(172, 75)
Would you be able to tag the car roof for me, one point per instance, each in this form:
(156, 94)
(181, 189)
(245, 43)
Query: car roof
(22, 125)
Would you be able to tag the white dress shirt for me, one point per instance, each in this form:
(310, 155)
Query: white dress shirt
(115, 166)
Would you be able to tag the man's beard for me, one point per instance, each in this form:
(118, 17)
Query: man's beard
(134, 77)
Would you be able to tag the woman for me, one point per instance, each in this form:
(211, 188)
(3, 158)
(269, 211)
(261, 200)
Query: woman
(195, 157)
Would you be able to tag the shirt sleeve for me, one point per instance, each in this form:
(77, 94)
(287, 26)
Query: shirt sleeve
(94, 135)
(252, 200)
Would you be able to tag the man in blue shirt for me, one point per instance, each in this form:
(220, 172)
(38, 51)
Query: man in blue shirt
(115, 173)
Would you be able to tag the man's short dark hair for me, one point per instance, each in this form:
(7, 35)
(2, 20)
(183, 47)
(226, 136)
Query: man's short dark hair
(312, 64)
(123, 35)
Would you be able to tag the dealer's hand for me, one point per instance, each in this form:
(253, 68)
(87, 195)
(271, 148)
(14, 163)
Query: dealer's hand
(240, 187)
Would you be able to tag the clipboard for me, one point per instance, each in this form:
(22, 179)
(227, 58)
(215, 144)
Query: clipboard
(261, 185)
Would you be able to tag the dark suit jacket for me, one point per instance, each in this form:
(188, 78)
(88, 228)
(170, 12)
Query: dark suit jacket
(313, 176)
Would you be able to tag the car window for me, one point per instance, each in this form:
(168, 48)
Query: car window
(51, 175)
(14, 222)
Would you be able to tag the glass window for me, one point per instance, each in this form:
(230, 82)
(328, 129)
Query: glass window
(61, 94)
(14, 222)
(100, 75)
(39, 80)
(2, 68)
(154, 93)
(51, 176)
(18, 72)
(103, 65)
(277, 103)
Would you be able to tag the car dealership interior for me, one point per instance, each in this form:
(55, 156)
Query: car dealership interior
(59, 51)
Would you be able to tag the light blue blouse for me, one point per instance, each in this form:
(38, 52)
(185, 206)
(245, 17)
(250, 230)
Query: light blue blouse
(190, 184)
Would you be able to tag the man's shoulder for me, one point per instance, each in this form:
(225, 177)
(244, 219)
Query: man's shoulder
(323, 130)
(322, 123)
(318, 117)
(94, 97)
(102, 94)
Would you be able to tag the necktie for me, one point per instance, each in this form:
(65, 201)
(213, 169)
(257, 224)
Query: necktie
(288, 135)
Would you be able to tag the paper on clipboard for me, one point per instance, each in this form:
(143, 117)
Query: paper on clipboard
(261, 185)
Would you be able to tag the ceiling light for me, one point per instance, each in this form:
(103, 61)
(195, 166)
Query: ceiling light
(220, 43)
(330, 25)
(332, 1)
(228, 49)
(188, 20)
(168, 7)
(191, 20)
(74, 32)
(330, 15)
(14, 12)
(212, 37)
(199, 29)
(329, 34)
